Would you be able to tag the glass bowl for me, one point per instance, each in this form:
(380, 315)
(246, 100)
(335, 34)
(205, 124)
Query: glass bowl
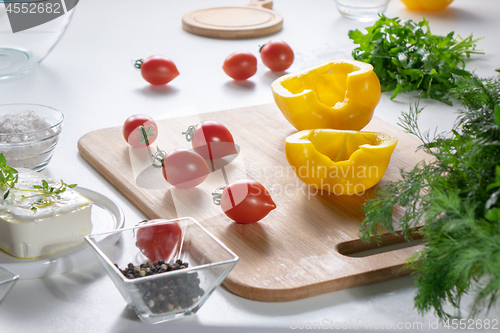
(7, 282)
(175, 293)
(33, 148)
(23, 50)
(362, 10)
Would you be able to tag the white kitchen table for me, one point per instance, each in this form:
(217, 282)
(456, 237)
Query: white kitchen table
(90, 78)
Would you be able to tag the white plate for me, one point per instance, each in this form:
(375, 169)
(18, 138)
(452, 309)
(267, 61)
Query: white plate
(106, 216)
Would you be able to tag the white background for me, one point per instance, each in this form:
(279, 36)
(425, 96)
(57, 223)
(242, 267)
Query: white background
(89, 77)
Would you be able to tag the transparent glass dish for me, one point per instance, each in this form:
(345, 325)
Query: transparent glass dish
(22, 51)
(362, 10)
(7, 282)
(31, 149)
(173, 294)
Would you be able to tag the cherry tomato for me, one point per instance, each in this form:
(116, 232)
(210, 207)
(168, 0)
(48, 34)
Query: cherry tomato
(159, 242)
(184, 168)
(212, 140)
(240, 65)
(277, 55)
(246, 201)
(158, 70)
(139, 127)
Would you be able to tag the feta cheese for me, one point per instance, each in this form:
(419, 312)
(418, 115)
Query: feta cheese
(61, 222)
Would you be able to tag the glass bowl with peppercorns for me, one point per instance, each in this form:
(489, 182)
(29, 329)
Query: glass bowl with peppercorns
(7, 282)
(165, 269)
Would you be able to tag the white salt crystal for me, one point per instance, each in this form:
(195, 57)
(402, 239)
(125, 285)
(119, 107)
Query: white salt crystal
(22, 127)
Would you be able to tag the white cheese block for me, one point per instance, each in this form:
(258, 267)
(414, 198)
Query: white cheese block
(61, 222)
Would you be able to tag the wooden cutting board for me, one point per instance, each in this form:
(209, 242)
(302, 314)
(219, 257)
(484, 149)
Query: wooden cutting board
(301, 248)
(234, 22)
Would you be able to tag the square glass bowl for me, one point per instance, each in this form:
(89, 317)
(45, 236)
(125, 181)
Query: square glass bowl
(172, 294)
(29, 134)
(7, 282)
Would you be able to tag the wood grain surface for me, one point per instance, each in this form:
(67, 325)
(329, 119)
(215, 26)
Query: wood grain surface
(303, 247)
(234, 22)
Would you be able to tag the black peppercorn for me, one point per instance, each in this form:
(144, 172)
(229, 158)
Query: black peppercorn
(170, 293)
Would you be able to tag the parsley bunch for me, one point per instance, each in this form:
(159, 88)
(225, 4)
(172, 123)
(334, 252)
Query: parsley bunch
(406, 56)
(456, 198)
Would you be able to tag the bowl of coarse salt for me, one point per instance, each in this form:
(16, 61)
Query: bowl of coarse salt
(29, 134)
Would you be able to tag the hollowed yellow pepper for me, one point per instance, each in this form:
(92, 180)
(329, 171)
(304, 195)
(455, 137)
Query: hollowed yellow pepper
(341, 94)
(426, 5)
(340, 162)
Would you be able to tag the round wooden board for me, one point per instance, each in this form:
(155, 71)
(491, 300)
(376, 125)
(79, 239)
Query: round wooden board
(236, 22)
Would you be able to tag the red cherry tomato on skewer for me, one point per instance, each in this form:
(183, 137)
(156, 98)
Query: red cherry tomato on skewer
(140, 130)
(246, 201)
(211, 140)
(184, 168)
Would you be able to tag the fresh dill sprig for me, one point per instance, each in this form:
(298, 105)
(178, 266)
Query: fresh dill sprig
(455, 197)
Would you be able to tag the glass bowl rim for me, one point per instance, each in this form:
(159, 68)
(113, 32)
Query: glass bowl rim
(58, 122)
(234, 260)
(14, 276)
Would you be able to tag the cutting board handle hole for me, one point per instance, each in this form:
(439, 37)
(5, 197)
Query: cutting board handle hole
(262, 3)
(357, 248)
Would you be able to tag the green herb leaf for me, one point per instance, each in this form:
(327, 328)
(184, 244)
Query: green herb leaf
(3, 161)
(10, 176)
(493, 214)
(497, 115)
(455, 198)
(496, 183)
(406, 56)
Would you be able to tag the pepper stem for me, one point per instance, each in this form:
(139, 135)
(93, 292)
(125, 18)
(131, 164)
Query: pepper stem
(189, 133)
(216, 196)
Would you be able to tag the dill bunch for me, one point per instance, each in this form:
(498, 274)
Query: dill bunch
(455, 197)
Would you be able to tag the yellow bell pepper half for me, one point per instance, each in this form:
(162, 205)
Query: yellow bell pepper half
(341, 94)
(426, 5)
(340, 162)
